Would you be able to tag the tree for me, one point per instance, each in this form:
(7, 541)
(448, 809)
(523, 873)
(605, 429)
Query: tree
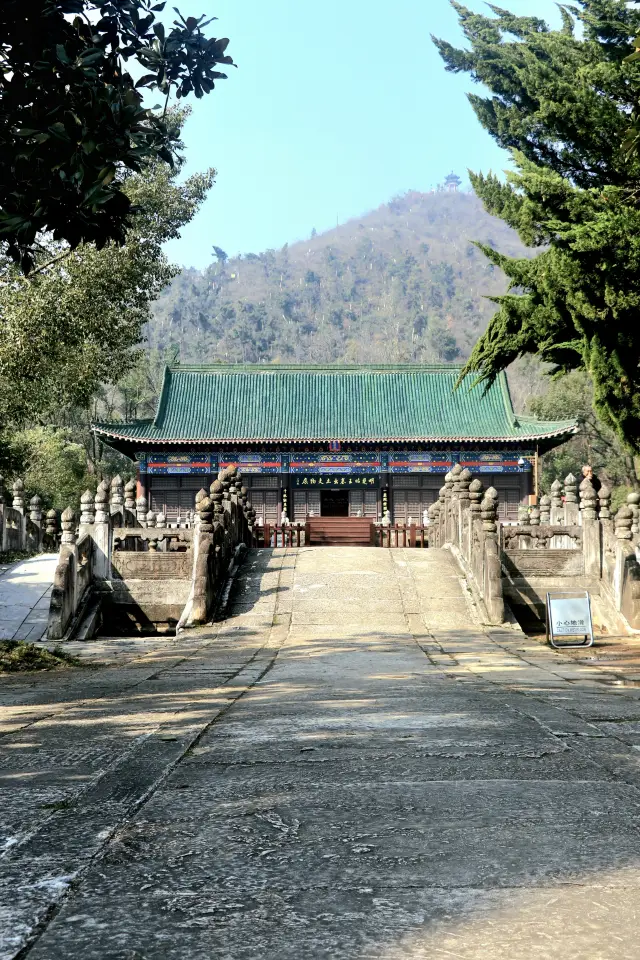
(562, 101)
(72, 120)
(571, 396)
(75, 324)
(220, 255)
(50, 463)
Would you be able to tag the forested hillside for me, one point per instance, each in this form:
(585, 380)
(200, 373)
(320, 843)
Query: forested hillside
(403, 283)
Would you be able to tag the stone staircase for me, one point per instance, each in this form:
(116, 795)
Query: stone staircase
(341, 531)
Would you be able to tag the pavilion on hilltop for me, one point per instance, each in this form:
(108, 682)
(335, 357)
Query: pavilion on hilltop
(452, 182)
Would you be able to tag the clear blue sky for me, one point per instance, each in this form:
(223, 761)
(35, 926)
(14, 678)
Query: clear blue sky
(336, 106)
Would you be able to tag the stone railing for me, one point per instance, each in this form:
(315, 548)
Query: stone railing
(26, 528)
(72, 578)
(133, 561)
(569, 540)
(464, 519)
(224, 528)
(583, 543)
(620, 569)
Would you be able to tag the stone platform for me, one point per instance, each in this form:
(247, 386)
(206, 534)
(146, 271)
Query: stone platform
(349, 766)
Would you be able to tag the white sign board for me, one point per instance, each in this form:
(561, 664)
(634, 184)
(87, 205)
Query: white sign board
(569, 616)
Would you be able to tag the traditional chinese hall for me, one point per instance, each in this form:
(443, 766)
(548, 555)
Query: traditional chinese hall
(332, 440)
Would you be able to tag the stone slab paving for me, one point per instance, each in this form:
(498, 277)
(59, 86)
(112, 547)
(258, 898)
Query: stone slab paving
(351, 766)
(25, 592)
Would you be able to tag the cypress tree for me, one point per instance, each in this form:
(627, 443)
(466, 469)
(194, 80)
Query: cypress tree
(564, 102)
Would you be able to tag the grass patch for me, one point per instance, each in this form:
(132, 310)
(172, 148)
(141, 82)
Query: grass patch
(17, 656)
(13, 556)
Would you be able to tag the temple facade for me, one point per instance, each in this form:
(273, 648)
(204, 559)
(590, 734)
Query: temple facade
(332, 440)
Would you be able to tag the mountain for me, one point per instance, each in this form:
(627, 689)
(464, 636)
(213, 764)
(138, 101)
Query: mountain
(403, 283)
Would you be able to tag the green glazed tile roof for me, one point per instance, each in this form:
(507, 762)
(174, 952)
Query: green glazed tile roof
(223, 404)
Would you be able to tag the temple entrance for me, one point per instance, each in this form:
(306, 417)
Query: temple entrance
(334, 503)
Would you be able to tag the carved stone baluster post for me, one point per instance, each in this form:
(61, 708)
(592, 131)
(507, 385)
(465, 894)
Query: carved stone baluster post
(141, 511)
(234, 483)
(492, 494)
(623, 521)
(489, 514)
(489, 564)
(18, 495)
(225, 479)
(557, 509)
(462, 525)
(476, 494)
(545, 509)
(68, 520)
(442, 514)
(130, 488)
(216, 491)
(591, 530)
(534, 516)
(87, 512)
(243, 520)
(456, 473)
(18, 504)
(102, 502)
(205, 560)
(102, 533)
(117, 492)
(205, 513)
(571, 510)
(604, 500)
(455, 532)
(448, 497)
(68, 549)
(161, 522)
(51, 531)
(150, 525)
(588, 501)
(34, 534)
(116, 508)
(523, 515)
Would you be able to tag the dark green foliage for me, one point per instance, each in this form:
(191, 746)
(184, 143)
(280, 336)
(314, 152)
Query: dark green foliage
(72, 121)
(563, 101)
(596, 444)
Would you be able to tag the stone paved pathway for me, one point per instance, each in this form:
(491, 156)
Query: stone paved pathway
(25, 592)
(349, 767)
